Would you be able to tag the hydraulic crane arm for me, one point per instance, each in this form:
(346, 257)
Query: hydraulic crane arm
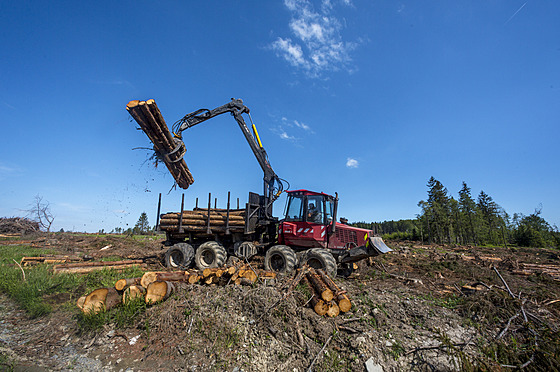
(273, 185)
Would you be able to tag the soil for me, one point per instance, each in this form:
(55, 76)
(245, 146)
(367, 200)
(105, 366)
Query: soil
(419, 307)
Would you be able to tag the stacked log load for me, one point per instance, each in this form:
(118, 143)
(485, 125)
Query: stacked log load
(169, 149)
(197, 220)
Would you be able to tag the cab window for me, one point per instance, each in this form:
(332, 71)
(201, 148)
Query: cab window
(294, 211)
(315, 209)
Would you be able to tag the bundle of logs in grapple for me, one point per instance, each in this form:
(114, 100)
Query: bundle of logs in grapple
(155, 286)
(217, 220)
(168, 149)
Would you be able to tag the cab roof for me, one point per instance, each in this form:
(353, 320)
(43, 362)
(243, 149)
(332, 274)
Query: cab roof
(307, 192)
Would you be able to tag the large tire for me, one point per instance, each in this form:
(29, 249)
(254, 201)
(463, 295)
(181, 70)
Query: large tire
(281, 259)
(320, 258)
(209, 255)
(179, 256)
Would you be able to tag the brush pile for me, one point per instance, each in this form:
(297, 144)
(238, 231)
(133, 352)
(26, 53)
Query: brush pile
(18, 225)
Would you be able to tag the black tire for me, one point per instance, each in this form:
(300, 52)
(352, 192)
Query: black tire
(179, 256)
(320, 258)
(281, 259)
(209, 255)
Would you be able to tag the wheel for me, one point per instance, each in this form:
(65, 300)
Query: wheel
(210, 254)
(179, 256)
(320, 258)
(280, 258)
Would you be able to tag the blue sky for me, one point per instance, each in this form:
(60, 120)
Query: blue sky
(367, 99)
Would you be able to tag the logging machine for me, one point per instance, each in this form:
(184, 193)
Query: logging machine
(208, 235)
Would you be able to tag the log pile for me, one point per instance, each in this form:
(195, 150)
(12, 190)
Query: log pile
(156, 286)
(327, 297)
(169, 149)
(197, 220)
(49, 260)
(531, 269)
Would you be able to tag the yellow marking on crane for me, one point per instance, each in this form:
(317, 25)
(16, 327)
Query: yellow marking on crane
(257, 135)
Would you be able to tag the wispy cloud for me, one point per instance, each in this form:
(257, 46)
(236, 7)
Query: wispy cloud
(316, 44)
(122, 82)
(292, 130)
(8, 171)
(352, 163)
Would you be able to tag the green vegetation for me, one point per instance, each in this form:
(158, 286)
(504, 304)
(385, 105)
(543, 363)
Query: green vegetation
(446, 220)
(122, 316)
(41, 289)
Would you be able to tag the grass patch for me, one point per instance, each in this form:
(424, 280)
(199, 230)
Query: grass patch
(122, 316)
(41, 284)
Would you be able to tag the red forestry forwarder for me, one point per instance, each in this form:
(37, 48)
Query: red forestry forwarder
(207, 235)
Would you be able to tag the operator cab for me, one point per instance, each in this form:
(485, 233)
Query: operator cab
(308, 206)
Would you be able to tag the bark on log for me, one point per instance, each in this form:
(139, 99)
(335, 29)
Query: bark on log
(203, 213)
(102, 263)
(201, 228)
(159, 291)
(121, 284)
(101, 299)
(88, 269)
(133, 292)
(342, 299)
(170, 276)
(320, 287)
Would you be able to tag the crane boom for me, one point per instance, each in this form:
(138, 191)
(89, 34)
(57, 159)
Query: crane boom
(273, 185)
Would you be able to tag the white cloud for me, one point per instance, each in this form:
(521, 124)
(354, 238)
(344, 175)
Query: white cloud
(317, 45)
(286, 136)
(352, 163)
(302, 126)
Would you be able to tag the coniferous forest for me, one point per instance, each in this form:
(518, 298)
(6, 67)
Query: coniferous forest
(467, 220)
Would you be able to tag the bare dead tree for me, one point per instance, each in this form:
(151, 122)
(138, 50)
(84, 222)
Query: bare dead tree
(40, 211)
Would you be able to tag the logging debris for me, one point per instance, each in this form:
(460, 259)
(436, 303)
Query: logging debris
(328, 299)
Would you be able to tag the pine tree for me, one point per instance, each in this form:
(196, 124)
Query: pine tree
(467, 207)
(142, 226)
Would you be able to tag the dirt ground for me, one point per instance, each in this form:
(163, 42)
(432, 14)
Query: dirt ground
(420, 307)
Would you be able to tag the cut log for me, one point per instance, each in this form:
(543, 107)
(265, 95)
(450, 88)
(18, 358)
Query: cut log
(342, 299)
(88, 269)
(100, 300)
(169, 276)
(212, 272)
(320, 287)
(133, 292)
(333, 309)
(250, 276)
(159, 291)
(121, 284)
(101, 263)
(80, 302)
(194, 278)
